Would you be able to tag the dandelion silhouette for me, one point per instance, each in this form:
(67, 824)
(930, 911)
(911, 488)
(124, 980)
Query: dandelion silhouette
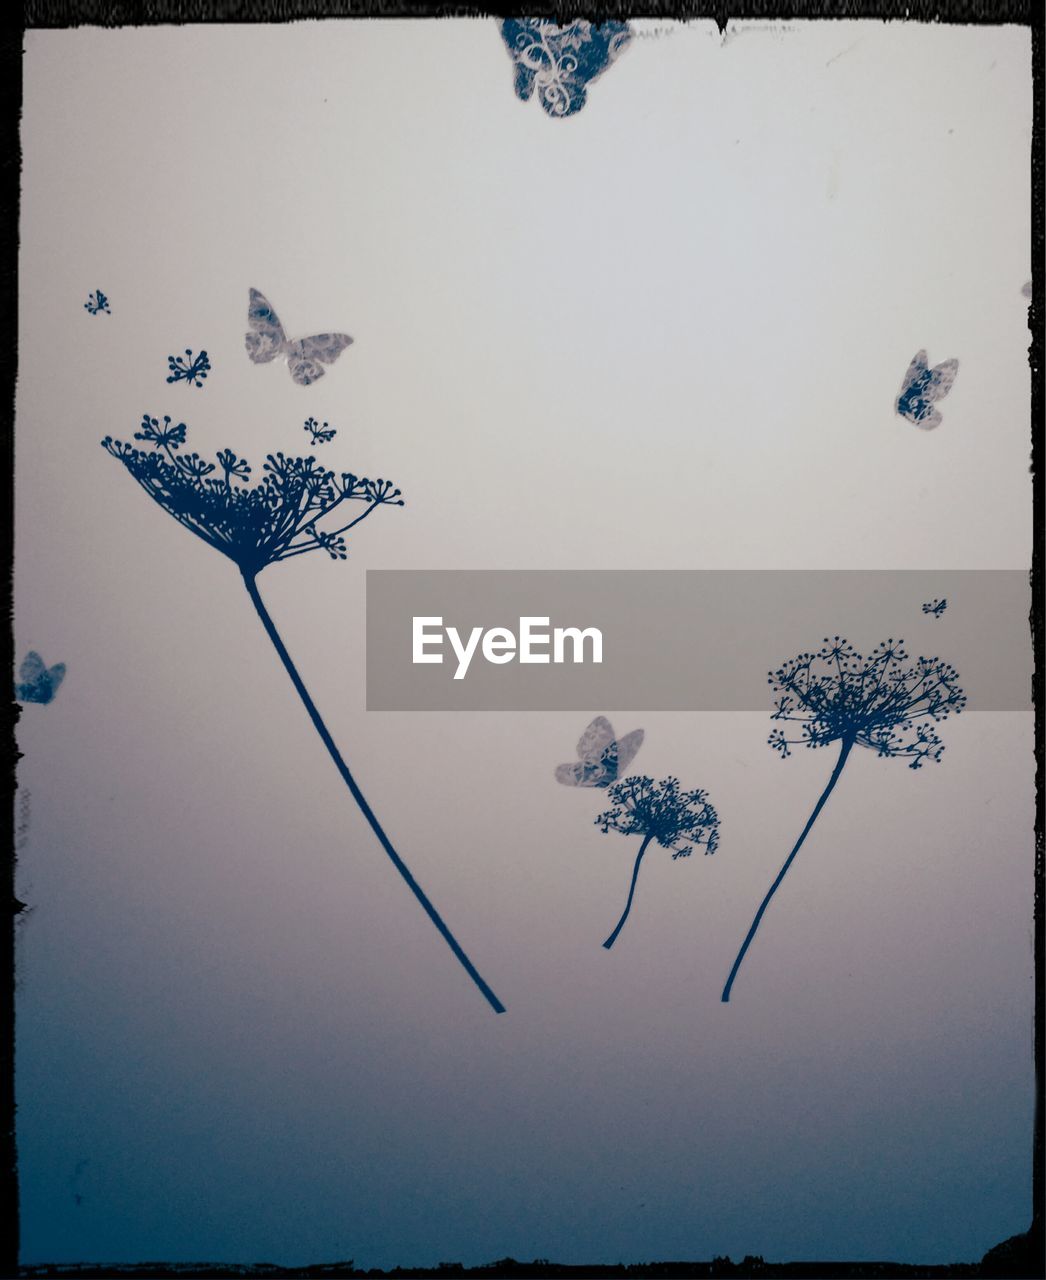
(318, 434)
(97, 303)
(190, 371)
(884, 702)
(936, 607)
(677, 820)
(297, 507)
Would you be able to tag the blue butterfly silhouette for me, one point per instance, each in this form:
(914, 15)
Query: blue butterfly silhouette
(921, 387)
(37, 682)
(560, 62)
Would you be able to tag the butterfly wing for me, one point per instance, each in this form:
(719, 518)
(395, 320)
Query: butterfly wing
(916, 370)
(909, 398)
(524, 49)
(571, 775)
(305, 372)
(55, 676)
(598, 772)
(941, 378)
(266, 338)
(627, 748)
(937, 383)
(32, 668)
(599, 749)
(614, 759)
(325, 347)
(561, 61)
(597, 737)
(596, 47)
(309, 355)
(927, 418)
(596, 765)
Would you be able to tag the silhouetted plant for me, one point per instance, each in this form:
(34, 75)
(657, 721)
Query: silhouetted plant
(884, 702)
(318, 434)
(678, 820)
(189, 370)
(256, 526)
(97, 304)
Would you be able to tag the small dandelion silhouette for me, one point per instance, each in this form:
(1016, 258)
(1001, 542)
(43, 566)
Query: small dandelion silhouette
(885, 702)
(97, 303)
(678, 820)
(936, 607)
(297, 507)
(318, 434)
(192, 371)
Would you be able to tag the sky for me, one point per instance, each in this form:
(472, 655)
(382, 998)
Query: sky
(667, 332)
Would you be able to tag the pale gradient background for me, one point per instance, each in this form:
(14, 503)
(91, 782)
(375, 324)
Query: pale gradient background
(665, 333)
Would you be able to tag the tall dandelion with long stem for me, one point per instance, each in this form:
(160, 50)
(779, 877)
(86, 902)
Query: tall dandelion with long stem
(661, 812)
(298, 507)
(885, 702)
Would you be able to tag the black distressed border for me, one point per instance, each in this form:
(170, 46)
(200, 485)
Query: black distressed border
(1022, 1257)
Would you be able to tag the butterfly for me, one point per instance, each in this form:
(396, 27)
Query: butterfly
(561, 61)
(602, 759)
(936, 607)
(921, 387)
(37, 682)
(305, 356)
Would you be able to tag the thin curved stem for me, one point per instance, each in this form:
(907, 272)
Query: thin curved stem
(357, 794)
(847, 746)
(631, 893)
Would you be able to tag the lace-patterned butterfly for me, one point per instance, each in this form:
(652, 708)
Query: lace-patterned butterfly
(560, 62)
(37, 682)
(921, 387)
(305, 356)
(602, 758)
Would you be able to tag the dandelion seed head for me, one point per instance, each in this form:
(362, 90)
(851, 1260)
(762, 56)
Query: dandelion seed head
(886, 701)
(192, 371)
(678, 820)
(297, 506)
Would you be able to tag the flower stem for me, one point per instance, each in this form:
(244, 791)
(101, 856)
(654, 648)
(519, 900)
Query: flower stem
(631, 893)
(847, 745)
(357, 794)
